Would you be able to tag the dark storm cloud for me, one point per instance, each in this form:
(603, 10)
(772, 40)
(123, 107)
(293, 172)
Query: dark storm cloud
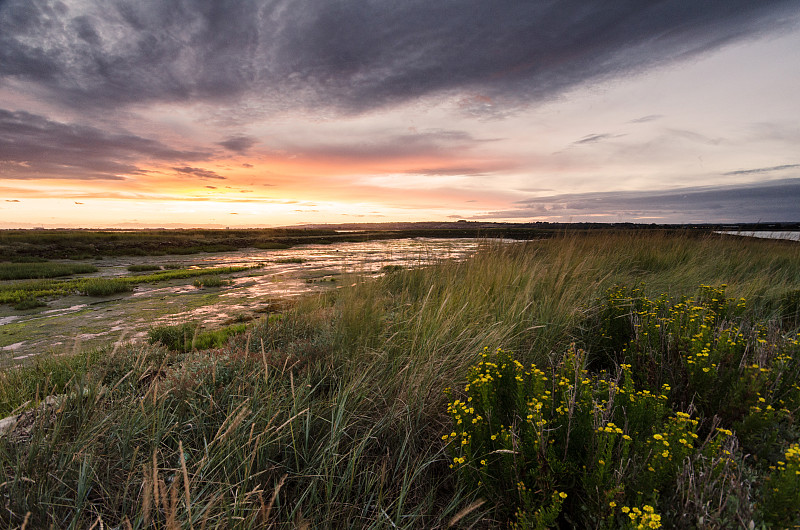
(238, 144)
(354, 55)
(761, 170)
(198, 172)
(771, 201)
(37, 147)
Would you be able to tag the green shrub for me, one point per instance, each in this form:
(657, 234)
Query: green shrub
(190, 336)
(30, 302)
(694, 391)
(213, 280)
(177, 337)
(105, 286)
(782, 491)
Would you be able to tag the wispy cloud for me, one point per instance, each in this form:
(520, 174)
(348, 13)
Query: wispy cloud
(199, 172)
(238, 144)
(762, 170)
(648, 118)
(594, 138)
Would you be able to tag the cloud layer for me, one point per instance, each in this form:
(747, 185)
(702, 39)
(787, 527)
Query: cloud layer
(35, 147)
(416, 109)
(719, 204)
(352, 56)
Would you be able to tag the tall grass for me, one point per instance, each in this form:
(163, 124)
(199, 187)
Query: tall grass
(25, 271)
(331, 415)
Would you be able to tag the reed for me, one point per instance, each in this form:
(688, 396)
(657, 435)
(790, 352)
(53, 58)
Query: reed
(332, 413)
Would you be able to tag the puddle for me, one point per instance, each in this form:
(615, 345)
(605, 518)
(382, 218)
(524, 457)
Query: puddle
(283, 273)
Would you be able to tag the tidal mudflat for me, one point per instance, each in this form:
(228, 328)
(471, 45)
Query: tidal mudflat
(277, 277)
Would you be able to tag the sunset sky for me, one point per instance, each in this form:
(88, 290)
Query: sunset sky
(162, 113)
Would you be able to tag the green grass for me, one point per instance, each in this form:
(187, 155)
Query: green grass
(25, 271)
(332, 414)
(105, 286)
(213, 280)
(190, 336)
(14, 293)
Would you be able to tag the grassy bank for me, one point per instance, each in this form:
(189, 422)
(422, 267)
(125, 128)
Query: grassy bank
(332, 414)
(14, 293)
(25, 271)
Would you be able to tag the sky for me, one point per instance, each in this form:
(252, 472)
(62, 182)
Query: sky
(168, 113)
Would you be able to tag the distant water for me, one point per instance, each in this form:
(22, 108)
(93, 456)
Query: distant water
(786, 234)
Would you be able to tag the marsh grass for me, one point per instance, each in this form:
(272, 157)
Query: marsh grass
(104, 286)
(191, 336)
(12, 293)
(213, 280)
(331, 414)
(26, 271)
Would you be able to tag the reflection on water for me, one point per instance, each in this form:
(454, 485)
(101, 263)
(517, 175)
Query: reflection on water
(282, 274)
(786, 234)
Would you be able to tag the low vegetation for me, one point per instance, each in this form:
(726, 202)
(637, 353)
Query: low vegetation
(16, 292)
(214, 280)
(191, 336)
(333, 413)
(687, 415)
(27, 271)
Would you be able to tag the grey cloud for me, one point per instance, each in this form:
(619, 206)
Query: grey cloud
(593, 138)
(355, 55)
(388, 145)
(238, 144)
(42, 148)
(199, 172)
(762, 170)
(645, 119)
(771, 201)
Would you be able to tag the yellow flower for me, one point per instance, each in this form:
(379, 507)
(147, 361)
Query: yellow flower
(612, 504)
(562, 495)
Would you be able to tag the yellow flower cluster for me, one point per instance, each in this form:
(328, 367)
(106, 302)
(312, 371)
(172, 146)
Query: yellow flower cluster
(642, 519)
(610, 428)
